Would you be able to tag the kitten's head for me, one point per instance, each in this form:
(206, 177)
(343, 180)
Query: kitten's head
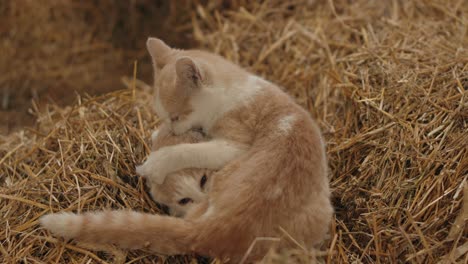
(176, 79)
(189, 82)
(182, 189)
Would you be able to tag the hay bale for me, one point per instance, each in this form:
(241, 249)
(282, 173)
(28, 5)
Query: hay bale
(386, 81)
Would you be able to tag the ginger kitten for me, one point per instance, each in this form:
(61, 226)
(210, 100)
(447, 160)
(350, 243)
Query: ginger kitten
(272, 179)
(270, 153)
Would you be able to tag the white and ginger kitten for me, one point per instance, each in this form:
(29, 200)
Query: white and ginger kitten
(272, 179)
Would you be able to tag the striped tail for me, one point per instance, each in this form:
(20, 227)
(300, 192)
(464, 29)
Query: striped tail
(126, 229)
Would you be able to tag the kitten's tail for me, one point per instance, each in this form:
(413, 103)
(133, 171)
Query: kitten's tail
(126, 229)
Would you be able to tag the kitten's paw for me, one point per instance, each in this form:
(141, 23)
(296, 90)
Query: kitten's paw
(156, 167)
(142, 171)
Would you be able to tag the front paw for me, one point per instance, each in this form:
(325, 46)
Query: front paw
(156, 167)
(143, 170)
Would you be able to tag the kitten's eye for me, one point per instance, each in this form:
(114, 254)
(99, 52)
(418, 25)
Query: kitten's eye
(185, 201)
(203, 181)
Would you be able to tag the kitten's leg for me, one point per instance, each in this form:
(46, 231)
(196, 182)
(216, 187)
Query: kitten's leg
(212, 154)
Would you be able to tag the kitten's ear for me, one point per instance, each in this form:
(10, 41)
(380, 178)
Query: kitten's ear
(159, 51)
(189, 73)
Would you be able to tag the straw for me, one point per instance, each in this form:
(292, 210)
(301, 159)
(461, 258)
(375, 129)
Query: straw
(386, 81)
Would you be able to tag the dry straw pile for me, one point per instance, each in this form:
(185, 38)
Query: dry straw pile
(386, 80)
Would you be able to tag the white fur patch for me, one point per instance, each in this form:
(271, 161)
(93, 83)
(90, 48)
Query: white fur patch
(286, 123)
(66, 225)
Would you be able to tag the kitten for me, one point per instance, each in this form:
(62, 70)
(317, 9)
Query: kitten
(272, 179)
(271, 155)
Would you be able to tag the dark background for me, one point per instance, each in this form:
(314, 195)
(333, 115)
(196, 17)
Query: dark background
(52, 50)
